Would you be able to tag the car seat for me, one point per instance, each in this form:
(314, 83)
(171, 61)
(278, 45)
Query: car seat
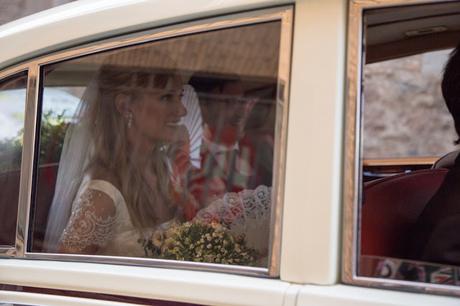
(390, 208)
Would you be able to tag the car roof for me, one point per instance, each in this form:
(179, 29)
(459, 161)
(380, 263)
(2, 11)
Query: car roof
(408, 30)
(84, 21)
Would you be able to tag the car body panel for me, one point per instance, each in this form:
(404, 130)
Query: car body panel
(311, 233)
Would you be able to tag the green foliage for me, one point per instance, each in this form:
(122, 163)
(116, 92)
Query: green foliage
(52, 132)
(10, 154)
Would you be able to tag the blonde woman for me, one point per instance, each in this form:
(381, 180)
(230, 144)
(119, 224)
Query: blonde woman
(124, 161)
(123, 181)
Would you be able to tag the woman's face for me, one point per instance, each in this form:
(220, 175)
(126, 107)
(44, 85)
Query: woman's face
(157, 113)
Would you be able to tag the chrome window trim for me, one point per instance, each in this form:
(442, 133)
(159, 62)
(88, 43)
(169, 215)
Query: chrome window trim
(283, 14)
(28, 153)
(6, 250)
(353, 151)
(8, 73)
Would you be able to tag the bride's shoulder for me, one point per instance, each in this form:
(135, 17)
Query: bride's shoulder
(102, 187)
(98, 173)
(93, 202)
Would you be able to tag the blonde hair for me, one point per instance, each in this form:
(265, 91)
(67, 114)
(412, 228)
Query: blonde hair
(110, 147)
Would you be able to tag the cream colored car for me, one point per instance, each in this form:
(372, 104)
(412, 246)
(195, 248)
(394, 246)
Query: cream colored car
(303, 68)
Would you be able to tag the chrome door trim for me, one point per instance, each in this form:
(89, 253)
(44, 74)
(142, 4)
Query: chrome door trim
(27, 164)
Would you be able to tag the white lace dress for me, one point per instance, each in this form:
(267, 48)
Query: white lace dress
(100, 223)
(246, 212)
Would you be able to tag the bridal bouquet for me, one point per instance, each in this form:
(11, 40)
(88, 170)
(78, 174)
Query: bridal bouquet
(199, 242)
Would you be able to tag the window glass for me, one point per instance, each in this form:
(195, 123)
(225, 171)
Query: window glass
(409, 210)
(12, 107)
(161, 150)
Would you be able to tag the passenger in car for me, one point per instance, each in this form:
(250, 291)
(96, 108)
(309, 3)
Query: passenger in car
(436, 234)
(121, 177)
(125, 136)
(231, 160)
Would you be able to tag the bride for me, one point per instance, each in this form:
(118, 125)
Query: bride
(123, 165)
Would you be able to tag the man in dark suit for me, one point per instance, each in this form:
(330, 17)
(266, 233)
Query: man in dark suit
(436, 236)
(231, 159)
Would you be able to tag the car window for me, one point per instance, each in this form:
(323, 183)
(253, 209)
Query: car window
(407, 144)
(12, 108)
(162, 150)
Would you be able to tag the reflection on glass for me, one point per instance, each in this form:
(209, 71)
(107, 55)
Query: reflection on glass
(410, 270)
(163, 150)
(12, 107)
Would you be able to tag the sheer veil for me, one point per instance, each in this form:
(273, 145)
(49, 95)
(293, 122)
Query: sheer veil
(74, 159)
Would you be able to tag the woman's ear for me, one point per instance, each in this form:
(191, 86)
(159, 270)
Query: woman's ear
(123, 104)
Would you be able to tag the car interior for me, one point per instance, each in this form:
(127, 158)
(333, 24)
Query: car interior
(395, 191)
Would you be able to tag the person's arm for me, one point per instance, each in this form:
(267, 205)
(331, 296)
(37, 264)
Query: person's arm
(90, 226)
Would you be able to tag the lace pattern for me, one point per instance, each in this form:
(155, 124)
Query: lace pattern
(91, 223)
(246, 212)
(100, 224)
(237, 207)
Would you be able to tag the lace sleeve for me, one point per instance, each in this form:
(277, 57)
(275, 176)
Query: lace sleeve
(90, 226)
(246, 212)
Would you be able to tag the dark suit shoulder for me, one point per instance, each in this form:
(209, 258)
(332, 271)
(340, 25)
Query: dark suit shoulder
(443, 244)
(431, 233)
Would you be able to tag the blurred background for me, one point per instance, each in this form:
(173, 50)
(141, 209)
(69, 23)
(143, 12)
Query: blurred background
(404, 114)
(14, 9)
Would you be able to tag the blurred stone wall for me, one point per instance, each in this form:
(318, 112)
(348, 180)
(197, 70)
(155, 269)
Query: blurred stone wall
(403, 112)
(14, 9)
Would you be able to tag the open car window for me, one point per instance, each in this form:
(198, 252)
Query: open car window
(406, 199)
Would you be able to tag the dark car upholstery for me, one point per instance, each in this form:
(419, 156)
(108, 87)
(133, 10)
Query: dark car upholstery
(390, 208)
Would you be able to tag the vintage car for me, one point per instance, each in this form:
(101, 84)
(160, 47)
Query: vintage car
(338, 120)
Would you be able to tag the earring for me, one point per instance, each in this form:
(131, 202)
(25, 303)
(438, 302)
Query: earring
(129, 116)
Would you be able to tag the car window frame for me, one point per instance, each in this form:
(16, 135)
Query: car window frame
(283, 14)
(353, 163)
